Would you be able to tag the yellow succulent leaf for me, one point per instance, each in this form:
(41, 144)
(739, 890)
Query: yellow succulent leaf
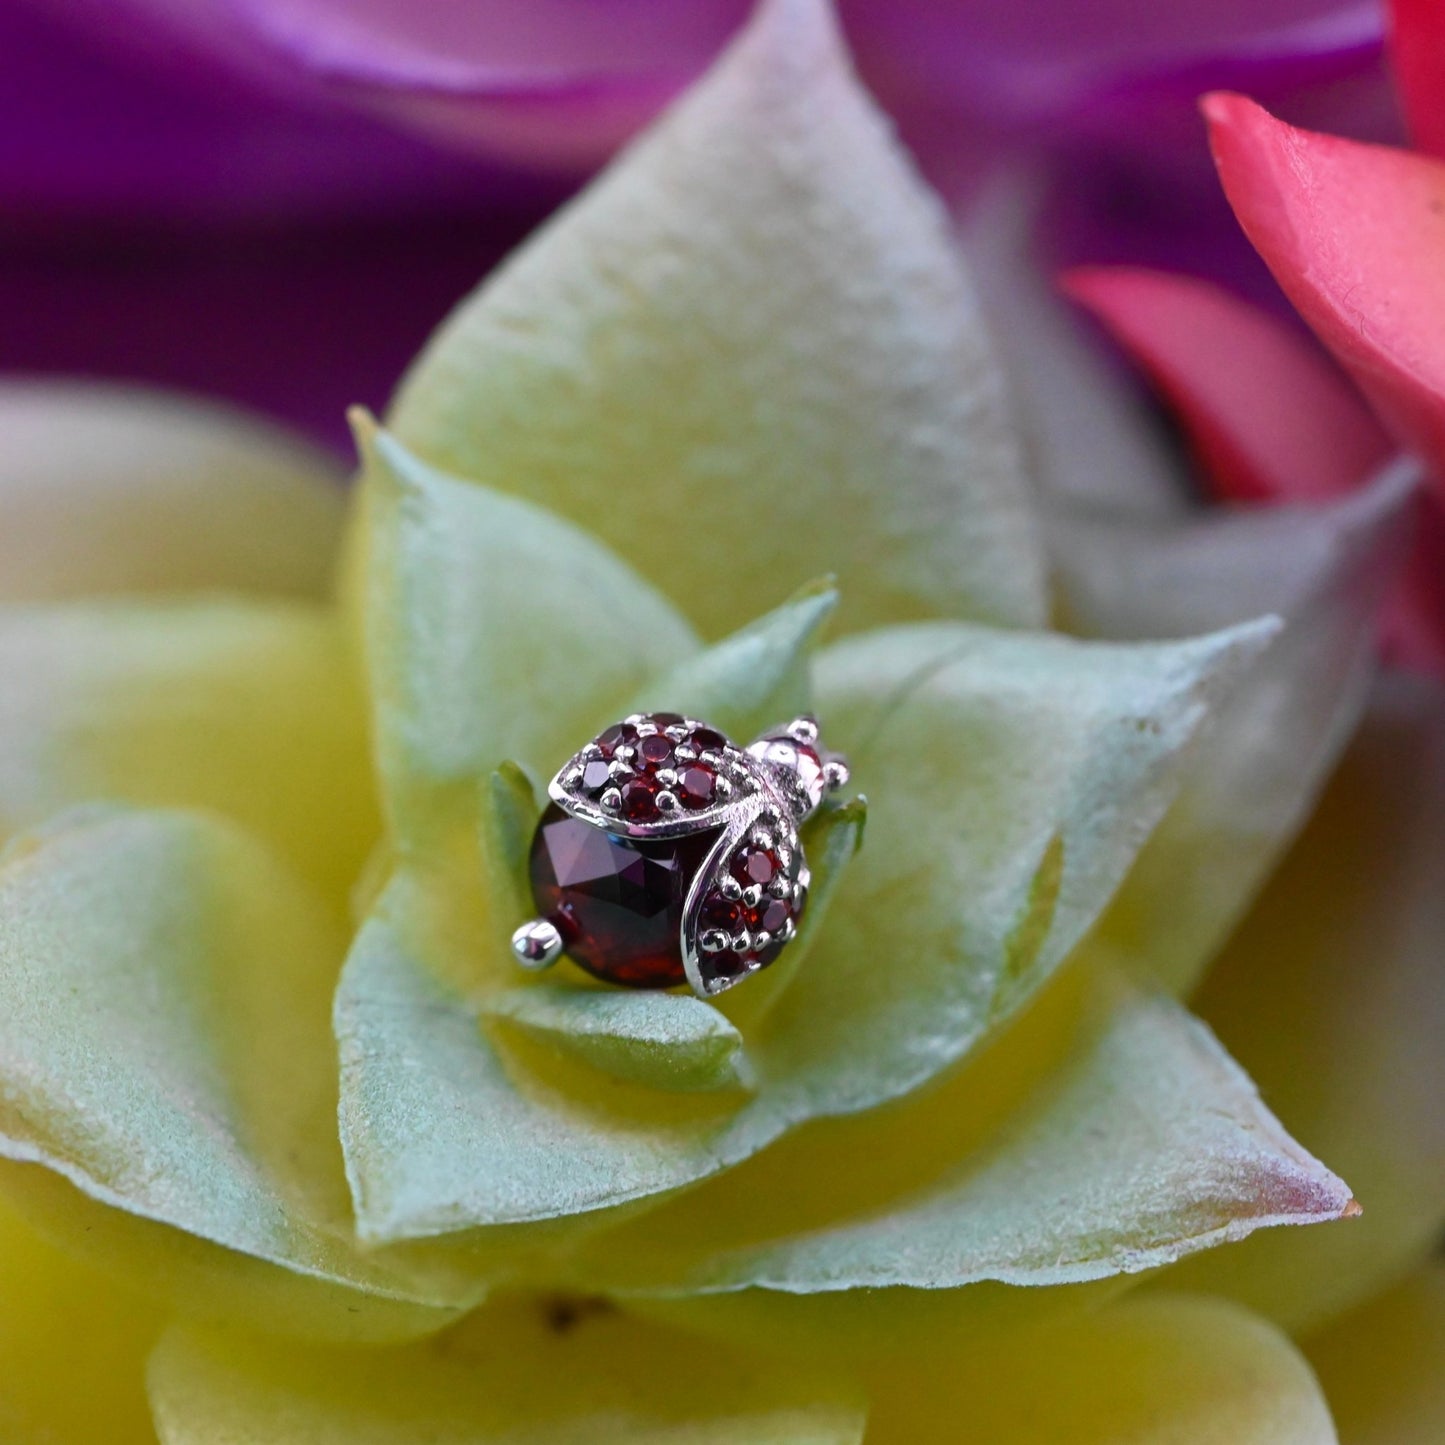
(1381, 1364)
(165, 992)
(73, 1348)
(1332, 995)
(522, 1372)
(248, 708)
(111, 489)
(1164, 1370)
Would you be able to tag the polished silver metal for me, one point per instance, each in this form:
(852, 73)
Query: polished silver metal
(762, 795)
(537, 945)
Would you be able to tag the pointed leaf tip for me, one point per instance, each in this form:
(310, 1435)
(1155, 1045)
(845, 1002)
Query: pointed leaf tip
(762, 301)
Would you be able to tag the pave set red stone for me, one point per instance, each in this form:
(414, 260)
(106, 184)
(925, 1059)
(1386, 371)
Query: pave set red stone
(669, 855)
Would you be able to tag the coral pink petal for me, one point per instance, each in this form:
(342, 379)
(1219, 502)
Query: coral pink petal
(1417, 47)
(1356, 236)
(1269, 417)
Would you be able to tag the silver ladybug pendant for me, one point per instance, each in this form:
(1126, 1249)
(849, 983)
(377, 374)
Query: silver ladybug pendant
(670, 855)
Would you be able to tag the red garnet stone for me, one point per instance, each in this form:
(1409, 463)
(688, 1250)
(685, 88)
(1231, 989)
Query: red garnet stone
(616, 901)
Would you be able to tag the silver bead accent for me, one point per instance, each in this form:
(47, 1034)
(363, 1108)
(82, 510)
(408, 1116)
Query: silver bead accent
(836, 773)
(611, 800)
(667, 802)
(714, 941)
(730, 888)
(804, 728)
(537, 945)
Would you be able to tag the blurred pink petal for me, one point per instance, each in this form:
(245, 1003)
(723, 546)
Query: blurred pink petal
(1354, 234)
(1417, 49)
(1269, 419)
(1224, 369)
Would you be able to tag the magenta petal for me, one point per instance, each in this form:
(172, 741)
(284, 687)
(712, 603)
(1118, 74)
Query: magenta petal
(164, 131)
(1268, 417)
(1034, 61)
(550, 81)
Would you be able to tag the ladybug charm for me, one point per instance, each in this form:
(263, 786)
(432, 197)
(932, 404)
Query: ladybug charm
(670, 855)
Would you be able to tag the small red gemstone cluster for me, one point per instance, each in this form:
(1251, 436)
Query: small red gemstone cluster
(752, 910)
(646, 770)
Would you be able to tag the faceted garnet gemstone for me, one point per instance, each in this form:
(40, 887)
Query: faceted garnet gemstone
(755, 865)
(595, 776)
(655, 751)
(617, 901)
(618, 736)
(639, 799)
(708, 740)
(696, 786)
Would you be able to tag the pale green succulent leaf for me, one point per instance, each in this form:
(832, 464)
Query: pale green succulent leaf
(1148, 1144)
(164, 1049)
(1012, 779)
(1001, 758)
(529, 1372)
(494, 630)
(663, 1040)
(510, 1137)
(747, 355)
(754, 679)
(509, 812)
(1260, 763)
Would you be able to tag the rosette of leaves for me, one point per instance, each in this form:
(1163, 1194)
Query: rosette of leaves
(313, 1161)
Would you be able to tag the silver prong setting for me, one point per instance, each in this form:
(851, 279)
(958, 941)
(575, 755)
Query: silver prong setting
(537, 944)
